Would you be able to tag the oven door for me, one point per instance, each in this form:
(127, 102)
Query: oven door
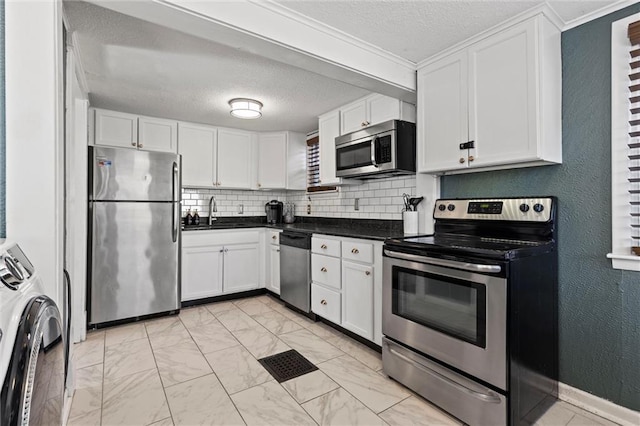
(453, 311)
(365, 156)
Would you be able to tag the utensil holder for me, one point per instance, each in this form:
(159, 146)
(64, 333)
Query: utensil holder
(410, 222)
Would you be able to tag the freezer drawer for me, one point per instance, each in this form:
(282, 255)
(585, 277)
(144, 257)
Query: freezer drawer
(135, 267)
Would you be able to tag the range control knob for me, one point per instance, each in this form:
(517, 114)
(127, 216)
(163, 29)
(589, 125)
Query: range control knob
(538, 208)
(524, 208)
(451, 207)
(442, 207)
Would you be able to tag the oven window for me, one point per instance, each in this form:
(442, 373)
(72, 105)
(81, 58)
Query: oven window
(454, 307)
(350, 157)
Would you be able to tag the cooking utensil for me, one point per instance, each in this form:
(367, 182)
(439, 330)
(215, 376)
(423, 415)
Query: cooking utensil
(405, 199)
(414, 202)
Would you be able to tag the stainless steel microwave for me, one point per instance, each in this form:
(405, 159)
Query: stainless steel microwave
(382, 150)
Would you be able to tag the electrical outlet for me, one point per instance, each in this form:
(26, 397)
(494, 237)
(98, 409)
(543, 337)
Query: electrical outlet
(356, 204)
(240, 208)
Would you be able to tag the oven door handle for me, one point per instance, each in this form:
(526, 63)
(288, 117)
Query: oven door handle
(473, 267)
(486, 397)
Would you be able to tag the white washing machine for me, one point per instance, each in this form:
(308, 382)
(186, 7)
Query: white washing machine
(33, 352)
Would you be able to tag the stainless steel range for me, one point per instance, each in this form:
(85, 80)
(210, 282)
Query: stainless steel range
(470, 313)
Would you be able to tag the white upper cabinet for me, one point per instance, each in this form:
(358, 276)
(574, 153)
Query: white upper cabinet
(328, 130)
(374, 109)
(116, 129)
(132, 131)
(282, 160)
(198, 147)
(236, 159)
(155, 134)
(494, 104)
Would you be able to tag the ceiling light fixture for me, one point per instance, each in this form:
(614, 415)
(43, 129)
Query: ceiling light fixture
(245, 108)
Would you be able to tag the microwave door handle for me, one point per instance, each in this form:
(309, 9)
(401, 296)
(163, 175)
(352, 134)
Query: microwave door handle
(373, 151)
(472, 267)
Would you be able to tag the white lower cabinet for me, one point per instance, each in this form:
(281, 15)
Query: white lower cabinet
(241, 270)
(357, 298)
(326, 303)
(201, 272)
(347, 285)
(272, 261)
(220, 262)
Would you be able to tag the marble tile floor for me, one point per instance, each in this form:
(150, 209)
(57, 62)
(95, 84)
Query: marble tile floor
(200, 367)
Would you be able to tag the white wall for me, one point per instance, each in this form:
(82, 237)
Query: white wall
(33, 55)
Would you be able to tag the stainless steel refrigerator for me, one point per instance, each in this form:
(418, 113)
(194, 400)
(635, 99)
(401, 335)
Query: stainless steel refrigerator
(134, 240)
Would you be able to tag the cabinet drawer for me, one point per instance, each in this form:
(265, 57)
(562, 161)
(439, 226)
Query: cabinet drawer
(325, 270)
(325, 303)
(273, 237)
(325, 246)
(360, 252)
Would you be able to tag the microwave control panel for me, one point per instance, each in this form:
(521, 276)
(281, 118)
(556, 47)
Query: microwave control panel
(384, 146)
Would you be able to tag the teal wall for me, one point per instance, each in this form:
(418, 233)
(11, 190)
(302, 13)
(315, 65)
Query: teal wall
(599, 306)
(2, 127)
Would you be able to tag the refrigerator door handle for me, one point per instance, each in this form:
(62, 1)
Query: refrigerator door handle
(176, 203)
(176, 183)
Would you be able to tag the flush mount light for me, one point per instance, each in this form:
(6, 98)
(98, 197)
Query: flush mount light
(245, 108)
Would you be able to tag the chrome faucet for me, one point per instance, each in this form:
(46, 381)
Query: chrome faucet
(213, 208)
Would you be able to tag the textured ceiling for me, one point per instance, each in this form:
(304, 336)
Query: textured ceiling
(135, 66)
(138, 67)
(418, 29)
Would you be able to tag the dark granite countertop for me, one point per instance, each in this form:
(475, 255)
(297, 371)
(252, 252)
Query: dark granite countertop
(370, 229)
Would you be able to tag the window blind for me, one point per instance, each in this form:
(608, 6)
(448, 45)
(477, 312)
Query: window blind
(634, 134)
(313, 167)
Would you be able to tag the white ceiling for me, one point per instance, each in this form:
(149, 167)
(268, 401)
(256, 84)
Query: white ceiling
(135, 66)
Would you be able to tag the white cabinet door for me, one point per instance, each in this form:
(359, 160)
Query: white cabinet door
(353, 117)
(443, 114)
(328, 130)
(383, 108)
(157, 135)
(116, 129)
(198, 145)
(358, 298)
(272, 160)
(235, 159)
(502, 97)
(201, 272)
(241, 271)
(274, 268)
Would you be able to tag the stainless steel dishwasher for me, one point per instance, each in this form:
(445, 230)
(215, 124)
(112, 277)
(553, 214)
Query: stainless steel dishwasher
(295, 269)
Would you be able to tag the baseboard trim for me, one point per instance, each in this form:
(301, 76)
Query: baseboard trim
(599, 406)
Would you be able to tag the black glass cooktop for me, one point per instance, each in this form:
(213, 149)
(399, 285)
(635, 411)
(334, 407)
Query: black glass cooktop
(469, 245)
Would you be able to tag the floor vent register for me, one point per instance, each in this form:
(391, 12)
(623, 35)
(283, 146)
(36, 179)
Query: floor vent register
(287, 365)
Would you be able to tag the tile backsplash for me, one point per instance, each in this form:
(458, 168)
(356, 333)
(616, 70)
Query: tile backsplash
(377, 199)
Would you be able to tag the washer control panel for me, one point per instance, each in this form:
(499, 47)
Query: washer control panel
(15, 268)
(506, 209)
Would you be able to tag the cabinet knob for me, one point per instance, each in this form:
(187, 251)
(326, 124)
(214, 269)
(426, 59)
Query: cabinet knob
(324, 246)
(274, 237)
(134, 144)
(364, 123)
(471, 158)
(323, 302)
(367, 272)
(355, 251)
(219, 184)
(278, 250)
(462, 160)
(139, 145)
(259, 186)
(323, 269)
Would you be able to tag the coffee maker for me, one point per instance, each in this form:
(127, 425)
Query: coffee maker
(273, 209)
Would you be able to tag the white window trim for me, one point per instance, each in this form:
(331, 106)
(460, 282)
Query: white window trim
(620, 255)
